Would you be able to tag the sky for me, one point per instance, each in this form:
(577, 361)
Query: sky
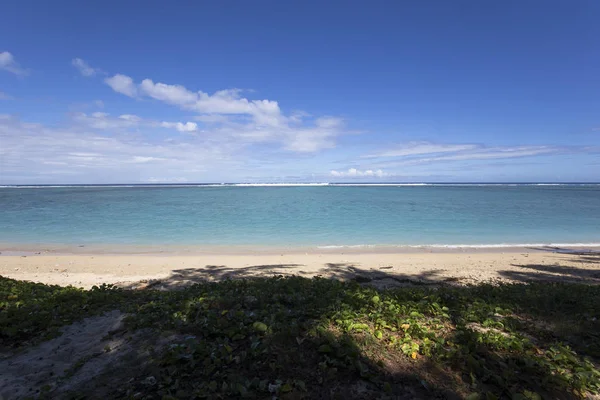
(299, 91)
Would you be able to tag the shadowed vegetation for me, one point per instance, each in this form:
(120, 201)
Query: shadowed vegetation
(298, 338)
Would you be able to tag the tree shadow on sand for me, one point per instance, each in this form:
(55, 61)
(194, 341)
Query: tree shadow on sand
(579, 255)
(381, 278)
(552, 273)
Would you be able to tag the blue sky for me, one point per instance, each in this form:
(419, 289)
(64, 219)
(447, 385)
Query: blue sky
(283, 91)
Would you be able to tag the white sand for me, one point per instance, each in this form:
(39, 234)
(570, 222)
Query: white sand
(388, 268)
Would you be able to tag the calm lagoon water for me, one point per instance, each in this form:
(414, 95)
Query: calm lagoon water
(306, 215)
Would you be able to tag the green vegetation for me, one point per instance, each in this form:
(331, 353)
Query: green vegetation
(317, 338)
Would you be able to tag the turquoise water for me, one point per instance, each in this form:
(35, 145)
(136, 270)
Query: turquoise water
(325, 215)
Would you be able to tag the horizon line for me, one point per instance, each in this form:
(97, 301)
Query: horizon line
(306, 183)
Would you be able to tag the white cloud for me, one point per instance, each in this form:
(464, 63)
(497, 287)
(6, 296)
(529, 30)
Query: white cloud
(472, 153)
(84, 154)
(329, 122)
(420, 148)
(172, 94)
(99, 148)
(54, 163)
(438, 158)
(8, 63)
(141, 159)
(499, 152)
(99, 103)
(231, 115)
(122, 84)
(176, 179)
(221, 102)
(212, 118)
(84, 68)
(4, 96)
(181, 127)
(130, 118)
(311, 139)
(298, 116)
(102, 120)
(356, 173)
(44, 154)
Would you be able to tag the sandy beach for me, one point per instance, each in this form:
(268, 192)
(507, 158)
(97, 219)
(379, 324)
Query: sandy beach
(383, 268)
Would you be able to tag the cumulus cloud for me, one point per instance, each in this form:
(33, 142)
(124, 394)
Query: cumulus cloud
(234, 116)
(221, 102)
(8, 63)
(172, 94)
(122, 84)
(181, 127)
(84, 68)
(264, 112)
(356, 173)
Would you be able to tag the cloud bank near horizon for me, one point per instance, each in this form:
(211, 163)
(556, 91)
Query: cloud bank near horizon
(220, 136)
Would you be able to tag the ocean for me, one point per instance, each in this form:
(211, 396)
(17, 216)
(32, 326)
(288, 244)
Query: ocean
(314, 215)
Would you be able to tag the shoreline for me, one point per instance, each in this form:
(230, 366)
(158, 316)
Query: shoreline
(384, 269)
(26, 249)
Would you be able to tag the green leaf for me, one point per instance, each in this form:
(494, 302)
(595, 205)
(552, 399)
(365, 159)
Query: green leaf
(359, 327)
(260, 326)
(242, 390)
(324, 348)
(286, 388)
(299, 383)
(532, 395)
(262, 385)
(387, 387)
(212, 386)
